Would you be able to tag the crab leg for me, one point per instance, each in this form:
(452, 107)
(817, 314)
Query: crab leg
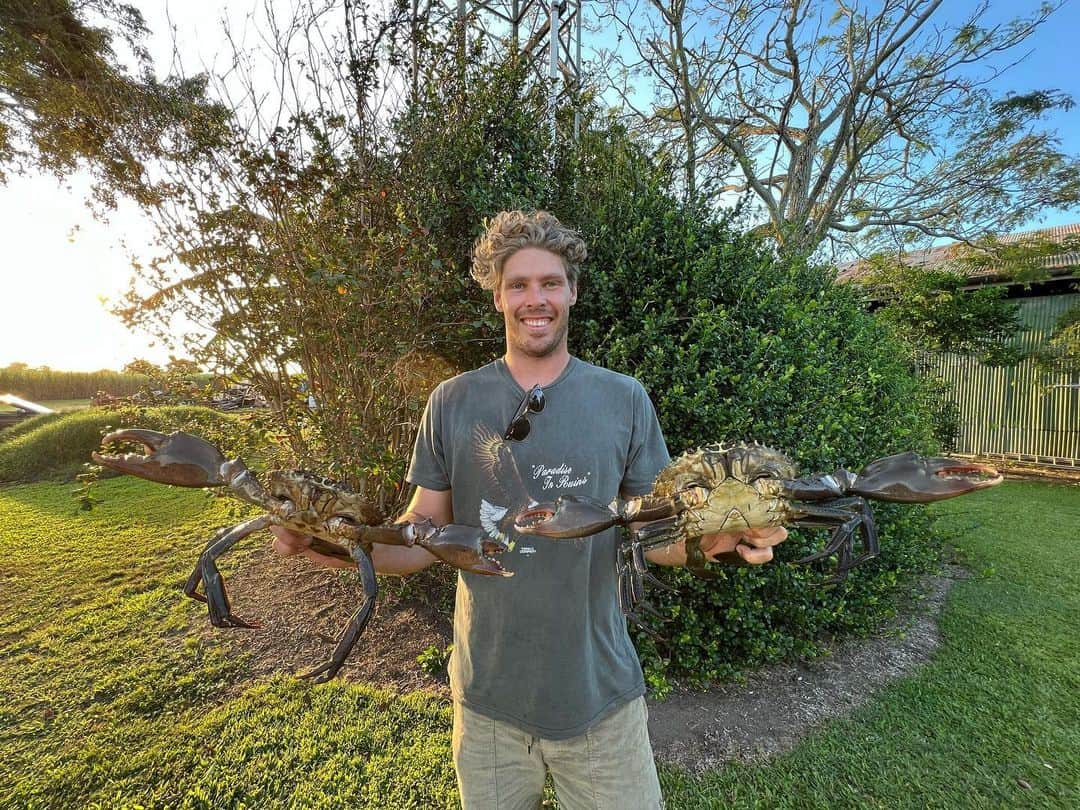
(359, 620)
(632, 595)
(637, 551)
(206, 571)
(630, 592)
(846, 515)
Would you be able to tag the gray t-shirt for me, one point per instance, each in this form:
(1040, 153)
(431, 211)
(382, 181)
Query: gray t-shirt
(547, 649)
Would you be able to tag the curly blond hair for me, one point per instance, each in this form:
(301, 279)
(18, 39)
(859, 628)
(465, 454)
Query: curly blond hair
(510, 231)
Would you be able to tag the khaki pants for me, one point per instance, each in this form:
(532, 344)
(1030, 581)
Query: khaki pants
(500, 767)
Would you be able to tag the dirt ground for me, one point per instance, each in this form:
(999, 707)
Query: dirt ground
(303, 609)
(780, 705)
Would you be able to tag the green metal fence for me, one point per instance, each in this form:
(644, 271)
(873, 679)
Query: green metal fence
(1018, 412)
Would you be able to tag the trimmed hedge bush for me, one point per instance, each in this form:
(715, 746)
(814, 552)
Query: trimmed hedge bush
(27, 425)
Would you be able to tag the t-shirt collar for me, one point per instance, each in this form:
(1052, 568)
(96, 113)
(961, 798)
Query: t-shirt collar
(504, 371)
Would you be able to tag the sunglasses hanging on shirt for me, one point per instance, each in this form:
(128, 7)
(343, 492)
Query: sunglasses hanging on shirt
(532, 402)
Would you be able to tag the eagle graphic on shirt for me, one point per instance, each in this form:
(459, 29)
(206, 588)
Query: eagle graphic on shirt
(495, 457)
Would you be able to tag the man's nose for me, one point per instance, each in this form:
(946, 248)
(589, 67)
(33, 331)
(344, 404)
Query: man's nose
(534, 295)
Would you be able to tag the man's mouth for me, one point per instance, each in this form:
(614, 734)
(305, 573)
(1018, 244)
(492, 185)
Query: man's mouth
(536, 323)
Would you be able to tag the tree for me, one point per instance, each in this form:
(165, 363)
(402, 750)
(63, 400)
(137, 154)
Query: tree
(321, 238)
(67, 100)
(850, 122)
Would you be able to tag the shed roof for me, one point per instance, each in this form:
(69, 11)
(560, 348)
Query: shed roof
(944, 256)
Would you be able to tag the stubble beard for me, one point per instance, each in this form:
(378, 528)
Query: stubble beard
(546, 349)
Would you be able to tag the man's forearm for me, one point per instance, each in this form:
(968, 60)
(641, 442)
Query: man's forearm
(402, 560)
(673, 555)
(744, 547)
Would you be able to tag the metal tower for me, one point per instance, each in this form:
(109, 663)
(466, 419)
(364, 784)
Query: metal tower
(545, 33)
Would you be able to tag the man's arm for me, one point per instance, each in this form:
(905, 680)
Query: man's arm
(753, 546)
(404, 560)
(388, 559)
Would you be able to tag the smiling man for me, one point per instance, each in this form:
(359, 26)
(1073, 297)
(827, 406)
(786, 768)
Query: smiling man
(543, 674)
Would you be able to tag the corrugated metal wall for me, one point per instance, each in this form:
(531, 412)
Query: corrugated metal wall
(1017, 412)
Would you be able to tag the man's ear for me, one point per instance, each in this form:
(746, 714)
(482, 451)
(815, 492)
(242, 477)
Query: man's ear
(573, 294)
(497, 299)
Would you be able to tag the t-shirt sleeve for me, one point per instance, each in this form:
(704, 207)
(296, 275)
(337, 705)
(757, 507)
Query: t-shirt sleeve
(648, 452)
(428, 466)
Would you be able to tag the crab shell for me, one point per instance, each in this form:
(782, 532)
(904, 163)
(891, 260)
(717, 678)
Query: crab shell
(316, 500)
(725, 488)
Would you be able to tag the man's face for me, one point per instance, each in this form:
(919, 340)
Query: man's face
(535, 297)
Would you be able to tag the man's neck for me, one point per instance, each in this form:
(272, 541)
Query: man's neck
(528, 371)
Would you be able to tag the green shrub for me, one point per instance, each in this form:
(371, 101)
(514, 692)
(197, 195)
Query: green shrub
(27, 425)
(58, 445)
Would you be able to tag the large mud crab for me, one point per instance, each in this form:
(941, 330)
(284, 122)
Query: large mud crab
(741, 486)
(340, 522)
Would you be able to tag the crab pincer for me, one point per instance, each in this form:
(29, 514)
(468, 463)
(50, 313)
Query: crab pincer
(911, 478)
(176, 458)
(566, 517)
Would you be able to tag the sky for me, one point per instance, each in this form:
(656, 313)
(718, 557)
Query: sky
(62, 270)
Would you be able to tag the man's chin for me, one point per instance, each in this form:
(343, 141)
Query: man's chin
(538, 354)
(539, 349)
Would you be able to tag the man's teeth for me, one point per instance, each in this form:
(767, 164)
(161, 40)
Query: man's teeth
(537, 321)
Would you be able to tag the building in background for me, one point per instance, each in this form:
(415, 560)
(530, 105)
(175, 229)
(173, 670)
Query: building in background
(1025, 412)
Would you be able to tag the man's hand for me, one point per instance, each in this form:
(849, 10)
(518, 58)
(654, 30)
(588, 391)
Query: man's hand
(753, 546)
(743, 547)
(288, 543)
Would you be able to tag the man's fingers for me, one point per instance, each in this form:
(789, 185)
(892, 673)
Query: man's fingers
(765, 538)
(754, 556)
(287, 542)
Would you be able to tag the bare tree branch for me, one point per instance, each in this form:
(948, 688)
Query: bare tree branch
(866, 118)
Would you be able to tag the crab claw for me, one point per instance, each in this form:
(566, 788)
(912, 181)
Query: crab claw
(568, 516)
(178, 458)
(910, 478)
(467, 548)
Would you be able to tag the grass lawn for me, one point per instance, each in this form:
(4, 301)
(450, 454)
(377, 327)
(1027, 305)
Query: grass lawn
(112, 696)
(112, 693)
(994, 720)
